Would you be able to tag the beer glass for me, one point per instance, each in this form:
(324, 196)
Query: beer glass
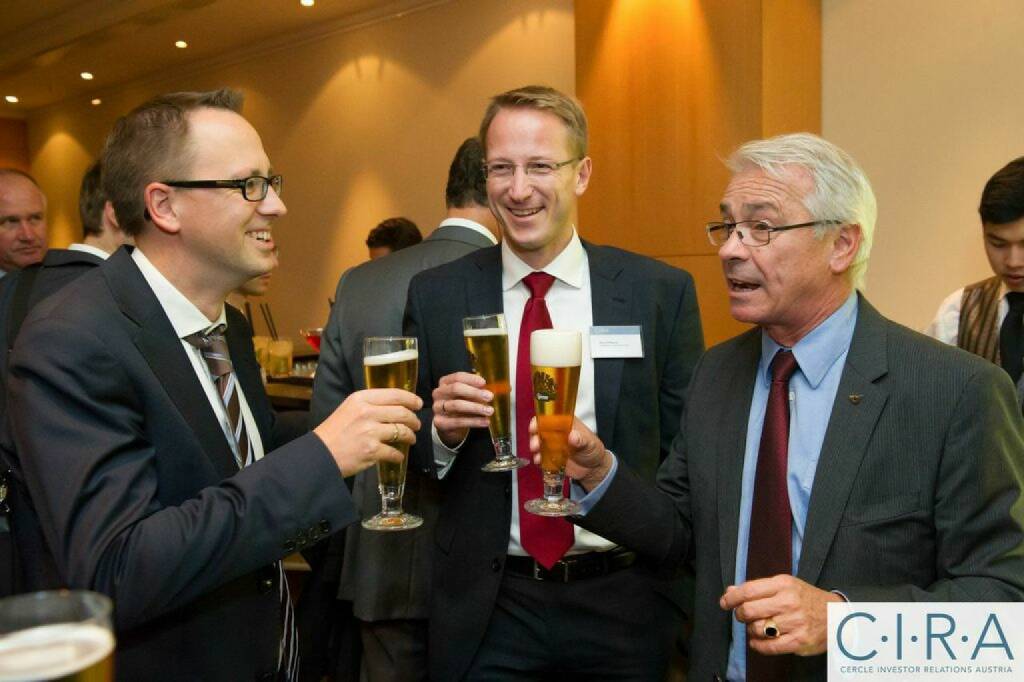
(391, 362)
(487, 344)
(555, 358)
(60, 635)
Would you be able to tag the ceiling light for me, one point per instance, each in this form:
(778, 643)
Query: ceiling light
(180, 44)
(86, 76)
(96, 101)
(306, 3)
(12, 99)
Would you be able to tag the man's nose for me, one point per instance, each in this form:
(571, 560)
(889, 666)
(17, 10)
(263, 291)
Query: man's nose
(520, 186)
(272, 204)
(733, 247)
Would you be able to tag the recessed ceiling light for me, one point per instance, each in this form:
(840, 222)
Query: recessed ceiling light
(11, 98)
(86, 76)
(306, 3)
(180, 44)
(96, 101)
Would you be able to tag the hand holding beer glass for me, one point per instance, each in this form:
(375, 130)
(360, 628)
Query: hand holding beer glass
(555, 359)
(487, 344)
(391, 362)
(60, 635)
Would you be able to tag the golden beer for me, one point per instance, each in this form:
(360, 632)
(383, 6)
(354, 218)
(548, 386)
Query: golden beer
(391, 362)
(75, 652)
(555, 359)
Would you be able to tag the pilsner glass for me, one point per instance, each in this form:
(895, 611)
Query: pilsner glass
(391, 362)
(487, 344)
(60, 635)
(555, 359)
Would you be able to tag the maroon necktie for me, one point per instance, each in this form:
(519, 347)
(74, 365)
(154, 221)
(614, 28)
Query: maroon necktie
(770, 548)
(545, 538)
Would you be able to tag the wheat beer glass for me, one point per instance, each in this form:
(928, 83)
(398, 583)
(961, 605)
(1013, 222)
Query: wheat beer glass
(487, 345)
(60, 635)
(555, 358)
(391, 362)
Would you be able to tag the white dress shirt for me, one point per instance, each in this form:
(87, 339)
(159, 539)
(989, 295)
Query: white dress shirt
(89, 248)
(187, 319)
(946, 325)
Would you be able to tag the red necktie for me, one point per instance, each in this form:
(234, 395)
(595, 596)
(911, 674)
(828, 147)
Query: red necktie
(770, 548)
(545, 538)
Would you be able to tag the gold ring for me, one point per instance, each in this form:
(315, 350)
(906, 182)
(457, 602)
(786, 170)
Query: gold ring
(394, 437)
(771, 629)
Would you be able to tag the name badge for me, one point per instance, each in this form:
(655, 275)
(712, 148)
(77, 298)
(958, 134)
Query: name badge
(616, 342)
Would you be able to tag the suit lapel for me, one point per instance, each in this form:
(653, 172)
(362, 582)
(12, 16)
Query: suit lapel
(483, 284)
(857, 407)
(732, 412)
(160, 346)
(610, 294)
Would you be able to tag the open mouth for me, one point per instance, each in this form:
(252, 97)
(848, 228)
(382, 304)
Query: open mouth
(524, 212)
(739, 285)
(261, 236)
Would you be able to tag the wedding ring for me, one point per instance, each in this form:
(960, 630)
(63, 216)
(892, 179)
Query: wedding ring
(771, 629)
(394, 437)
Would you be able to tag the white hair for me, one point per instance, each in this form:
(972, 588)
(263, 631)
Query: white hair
(841, 190)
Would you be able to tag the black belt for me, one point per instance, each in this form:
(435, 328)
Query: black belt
(574, 567)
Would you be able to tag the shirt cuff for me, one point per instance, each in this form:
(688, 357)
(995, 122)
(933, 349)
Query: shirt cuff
(444, 456)
(588, 500)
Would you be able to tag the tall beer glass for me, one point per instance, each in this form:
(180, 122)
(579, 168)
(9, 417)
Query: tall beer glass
(487, 344)
(391, 362)
(61, 635)
(555, 358)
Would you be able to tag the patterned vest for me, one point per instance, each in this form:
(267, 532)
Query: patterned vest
(979, 319)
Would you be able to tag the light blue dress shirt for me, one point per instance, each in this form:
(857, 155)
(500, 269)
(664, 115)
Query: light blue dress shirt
(821, 356)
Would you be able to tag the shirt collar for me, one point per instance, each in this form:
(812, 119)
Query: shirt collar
(569, 266)
(820, 349)
(185, 317)
(89, 248)
(471, 224)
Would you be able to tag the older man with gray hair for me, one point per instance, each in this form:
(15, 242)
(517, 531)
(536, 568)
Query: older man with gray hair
(826, 454)
(22, 220)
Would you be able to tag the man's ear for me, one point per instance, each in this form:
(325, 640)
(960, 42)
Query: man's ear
(845, 247)
(583, 175)
(160, 207)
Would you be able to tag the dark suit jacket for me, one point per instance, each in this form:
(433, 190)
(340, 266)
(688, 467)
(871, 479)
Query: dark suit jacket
(638, 403)
(385, 575)
(137, 489)
(917, 495)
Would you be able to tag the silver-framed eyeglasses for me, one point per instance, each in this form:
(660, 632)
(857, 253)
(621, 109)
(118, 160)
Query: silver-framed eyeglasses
(254, 187)
(754, 232)
(503, 170)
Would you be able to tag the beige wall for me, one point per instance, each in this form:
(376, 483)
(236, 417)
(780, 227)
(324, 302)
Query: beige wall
(927, 95)
(362, 124)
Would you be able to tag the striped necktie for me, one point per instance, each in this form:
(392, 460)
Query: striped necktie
(214, 349)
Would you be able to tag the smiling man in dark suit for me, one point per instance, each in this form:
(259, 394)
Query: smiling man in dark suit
(514, 599)
(826, 454)
(141, 425)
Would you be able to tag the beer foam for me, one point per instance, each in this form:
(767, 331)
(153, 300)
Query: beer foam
(52, 651)
(555, 348)
(389, 358)
(485, 332)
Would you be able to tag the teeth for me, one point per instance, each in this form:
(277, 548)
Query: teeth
(262, 235)
(524, 212)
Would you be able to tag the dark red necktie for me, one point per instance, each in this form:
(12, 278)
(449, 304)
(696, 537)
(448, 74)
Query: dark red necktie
(770, 548)
(545, 538)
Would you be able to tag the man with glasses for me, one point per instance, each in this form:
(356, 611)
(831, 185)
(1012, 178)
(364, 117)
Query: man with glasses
(516, 597)
(827, 454)
(140, 422)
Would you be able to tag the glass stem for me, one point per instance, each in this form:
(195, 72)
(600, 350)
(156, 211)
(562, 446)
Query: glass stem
(391, 500)
(554, 485)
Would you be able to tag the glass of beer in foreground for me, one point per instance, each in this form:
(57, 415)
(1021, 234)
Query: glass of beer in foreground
(391, 362)
(487, 343)
(555, 358)
(60, 635)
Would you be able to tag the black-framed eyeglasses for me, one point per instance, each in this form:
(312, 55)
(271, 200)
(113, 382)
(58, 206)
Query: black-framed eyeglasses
(754, 232)
(503, 170)
(254, 187)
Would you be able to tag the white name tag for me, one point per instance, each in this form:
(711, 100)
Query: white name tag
(616, 342)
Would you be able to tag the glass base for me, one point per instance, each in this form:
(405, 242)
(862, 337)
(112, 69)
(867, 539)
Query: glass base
(545, 507)
(390, 522)
(504, 464)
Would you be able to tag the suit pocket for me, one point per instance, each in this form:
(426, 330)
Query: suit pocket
(873, 511)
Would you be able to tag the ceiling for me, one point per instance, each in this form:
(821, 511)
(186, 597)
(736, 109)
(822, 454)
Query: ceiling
(46, 44)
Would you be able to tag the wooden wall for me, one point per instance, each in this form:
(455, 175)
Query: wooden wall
(14, 144)
(670, 88)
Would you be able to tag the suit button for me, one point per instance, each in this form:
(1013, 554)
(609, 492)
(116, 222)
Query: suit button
(266, 585)
(289, 546)
(496, 565)
(325, 526)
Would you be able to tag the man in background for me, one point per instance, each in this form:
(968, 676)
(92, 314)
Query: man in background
(22, 220)
(393, 234)
(987, 317)
(386, 576)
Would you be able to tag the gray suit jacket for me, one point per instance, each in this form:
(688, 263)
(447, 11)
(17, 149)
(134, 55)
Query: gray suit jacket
(917, 495)
(385, 575)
